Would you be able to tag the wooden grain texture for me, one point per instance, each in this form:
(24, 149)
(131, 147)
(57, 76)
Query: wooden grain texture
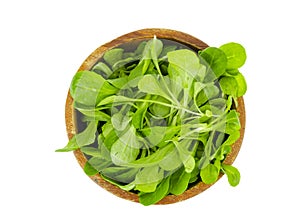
(88, 64)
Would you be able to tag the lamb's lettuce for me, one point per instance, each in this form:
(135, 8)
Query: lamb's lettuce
(160, 117)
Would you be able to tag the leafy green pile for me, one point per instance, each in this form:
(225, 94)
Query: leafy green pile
(159, 118)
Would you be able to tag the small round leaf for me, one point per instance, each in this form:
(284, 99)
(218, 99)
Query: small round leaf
(236, 55)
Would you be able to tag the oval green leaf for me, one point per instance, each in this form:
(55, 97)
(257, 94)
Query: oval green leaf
(229, 86)
(235, 53)
(209, 174)
(233, 175)
(161, 191)
(242, 85)
(89, 169)
(215, 59)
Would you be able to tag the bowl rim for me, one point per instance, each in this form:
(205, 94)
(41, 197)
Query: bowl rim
(70, 117)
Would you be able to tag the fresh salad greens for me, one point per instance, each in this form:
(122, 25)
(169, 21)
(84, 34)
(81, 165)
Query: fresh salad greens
(158, 118)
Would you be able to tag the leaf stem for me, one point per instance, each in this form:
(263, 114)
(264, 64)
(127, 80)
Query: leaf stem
(167, 105)
(155, 61)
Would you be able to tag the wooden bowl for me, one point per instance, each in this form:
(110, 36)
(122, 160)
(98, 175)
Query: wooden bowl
(88, 64)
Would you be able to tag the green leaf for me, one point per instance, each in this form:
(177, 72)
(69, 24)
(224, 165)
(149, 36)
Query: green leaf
(126, 187)
(235, 53)
(211, 110)
(94, 115)
(232, 122)
(117, 99)
(102, 67)
(122, 153)
(215, 59)
(232, 72)
(104, 150)
(137, 73)
(113, 55)
(150, 85)
(160, 110)
(176, 81)
(146, 187)
(84, 138)
(140, 48)
(195, 174)
(234, 85)
(167, 49)
(209, 174)
(87, 136)
(242, 85)
(91, 151)
(110, 138)
(106, 129)
(120, 121)
(209, 92)
(89, 169)
(229, 86)
(233, 175)
(107, 90)
(120, 83)
(226, 149)
(138, 117)
(161, 191)
(188, 162)
(208, 151)
(99, 163)
(218, 139)
(147, 178)
(156, 49)
(187, 62)
(182, 79)
(85, 87)
(130, 137)
(170, 132)
(233, 137)
(217, 164)
(152, 49)
(153, 159)
(154, 134)
(218, 102)
(172, 161)
(198, 86)
(179, 181)
(120, 64)
(186, 155)
(126, 148)
(120, 174)
(88, 88)
(222, 151)
(71, 146)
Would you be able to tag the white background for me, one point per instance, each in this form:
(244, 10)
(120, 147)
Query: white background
(42, 44)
